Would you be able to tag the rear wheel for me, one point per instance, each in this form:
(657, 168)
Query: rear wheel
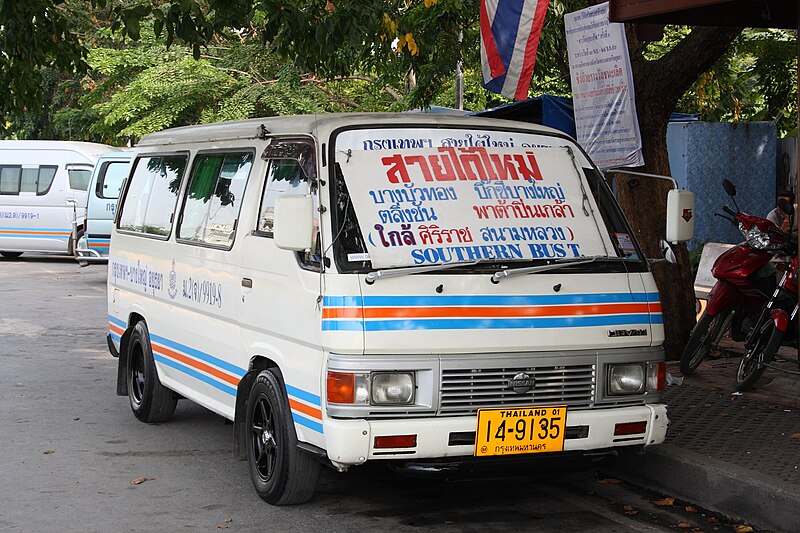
(282, 474)
(706, 334)
(762, 351)
(150, 400)
(11, 255)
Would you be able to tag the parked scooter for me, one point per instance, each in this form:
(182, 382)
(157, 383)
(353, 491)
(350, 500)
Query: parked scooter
(745, 279)
(776, 325)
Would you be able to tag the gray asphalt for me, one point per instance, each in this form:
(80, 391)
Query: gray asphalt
(71, 451)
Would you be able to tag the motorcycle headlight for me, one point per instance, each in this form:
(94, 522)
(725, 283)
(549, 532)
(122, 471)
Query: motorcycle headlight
(758, 239)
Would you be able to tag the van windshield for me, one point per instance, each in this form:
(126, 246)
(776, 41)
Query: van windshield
(477, 199)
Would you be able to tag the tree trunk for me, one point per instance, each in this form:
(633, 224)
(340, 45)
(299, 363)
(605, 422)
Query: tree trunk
(659, 85)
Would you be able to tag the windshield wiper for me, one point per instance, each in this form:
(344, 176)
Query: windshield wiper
(402, 271)
(558, 263)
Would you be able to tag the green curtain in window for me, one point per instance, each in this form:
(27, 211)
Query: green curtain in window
(205, 175)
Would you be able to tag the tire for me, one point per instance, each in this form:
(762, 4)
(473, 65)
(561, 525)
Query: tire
(11, 255)
(72, 244)
(763, 350)
(705, 335)
(281, 473)
(150, 400)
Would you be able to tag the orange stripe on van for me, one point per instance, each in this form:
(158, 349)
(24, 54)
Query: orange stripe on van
(494, 311)
(305, 409)
(233, 380)
(116, 329)
(342, 312)
(36, 232)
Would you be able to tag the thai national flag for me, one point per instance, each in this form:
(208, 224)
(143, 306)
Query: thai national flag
(510, 32)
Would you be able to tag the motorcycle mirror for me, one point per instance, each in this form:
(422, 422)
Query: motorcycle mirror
(729, 187)
(667, 251)
(786, 206)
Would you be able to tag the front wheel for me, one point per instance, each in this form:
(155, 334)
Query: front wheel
(705, 335)
(282, 474)
(768, 340)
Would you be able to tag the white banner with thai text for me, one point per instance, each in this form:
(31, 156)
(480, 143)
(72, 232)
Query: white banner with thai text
(602, 88)
(421, 206)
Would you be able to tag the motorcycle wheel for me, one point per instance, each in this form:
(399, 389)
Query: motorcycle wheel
(705, 335)
(763, 349)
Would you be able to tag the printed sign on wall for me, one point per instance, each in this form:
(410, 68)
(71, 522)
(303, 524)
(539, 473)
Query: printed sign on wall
(602, 88)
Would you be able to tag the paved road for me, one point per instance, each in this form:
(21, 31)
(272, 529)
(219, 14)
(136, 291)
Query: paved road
(70, 449)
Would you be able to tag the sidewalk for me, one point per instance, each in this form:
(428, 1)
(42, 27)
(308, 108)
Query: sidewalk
(736, 454)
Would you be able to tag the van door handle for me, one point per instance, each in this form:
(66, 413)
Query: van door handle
(247, 283)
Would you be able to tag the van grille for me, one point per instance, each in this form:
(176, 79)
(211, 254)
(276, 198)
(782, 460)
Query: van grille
(464, 391)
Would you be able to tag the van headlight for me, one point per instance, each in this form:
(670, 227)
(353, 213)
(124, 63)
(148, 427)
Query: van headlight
(392, 388)
(628, 378)
(371, 388)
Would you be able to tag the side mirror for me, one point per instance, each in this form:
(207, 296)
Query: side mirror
(680, 215)
(786, 206)
(293, 226)
(729, 187)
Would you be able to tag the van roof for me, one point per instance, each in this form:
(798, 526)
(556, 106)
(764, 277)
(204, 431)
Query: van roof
(89, 150)
(323, 123)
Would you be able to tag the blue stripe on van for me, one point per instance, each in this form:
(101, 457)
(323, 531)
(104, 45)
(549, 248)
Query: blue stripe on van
(511, 323)
(303, 395)
(195, 374)
(117, 321)
(233, 369)
(307, 422)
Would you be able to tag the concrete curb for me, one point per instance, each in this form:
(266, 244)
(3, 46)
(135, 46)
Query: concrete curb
(730, 490)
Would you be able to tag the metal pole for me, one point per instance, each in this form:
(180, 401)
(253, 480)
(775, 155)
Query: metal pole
(459, 78)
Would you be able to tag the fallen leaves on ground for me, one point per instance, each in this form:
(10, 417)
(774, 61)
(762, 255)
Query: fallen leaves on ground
(630, 510)
(49, 452)
(743, 528)
(690, 509)
(795, 436)
(224, 525)
(140, 480)
(610, 480)
(665, 502)
(684, 525)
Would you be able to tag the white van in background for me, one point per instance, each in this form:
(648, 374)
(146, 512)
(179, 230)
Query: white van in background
(420, 289)
(43, 194)
(109, 172)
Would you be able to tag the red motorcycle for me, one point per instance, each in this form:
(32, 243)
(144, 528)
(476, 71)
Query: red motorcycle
(776, 327)
(745, 279)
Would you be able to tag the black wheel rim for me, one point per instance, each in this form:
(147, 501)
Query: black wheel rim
(707, 340)
(265, 446)
(750, 359)
(136, 365)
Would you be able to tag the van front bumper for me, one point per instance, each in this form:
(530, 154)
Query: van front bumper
(84, 254)
(352, 442)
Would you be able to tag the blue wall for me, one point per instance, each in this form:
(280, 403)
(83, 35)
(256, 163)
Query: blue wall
(702, 154)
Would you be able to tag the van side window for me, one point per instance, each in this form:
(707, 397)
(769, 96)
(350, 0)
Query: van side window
(110, 179)
(284, 176)
(214, 198)
(79, 178)
(291, 170)
(15, 179)
(149, 202)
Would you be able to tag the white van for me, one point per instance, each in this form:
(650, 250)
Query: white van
(421, 289)
(43, 194)
(104, 186)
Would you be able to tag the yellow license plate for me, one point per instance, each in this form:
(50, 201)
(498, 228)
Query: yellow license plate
(520, 430)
